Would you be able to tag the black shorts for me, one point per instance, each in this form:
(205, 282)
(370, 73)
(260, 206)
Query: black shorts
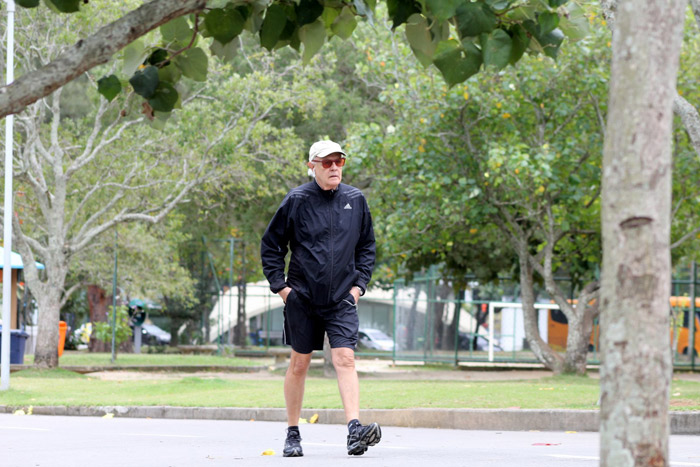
(304, 324)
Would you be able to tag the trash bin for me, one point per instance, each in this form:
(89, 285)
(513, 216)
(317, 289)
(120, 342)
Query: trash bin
(62, 327)
(18, 339)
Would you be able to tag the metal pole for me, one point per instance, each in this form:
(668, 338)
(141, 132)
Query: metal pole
(230, 287)
(491, 324)
(691, 323)
(458, 311)
(9, 212)
(114, 300)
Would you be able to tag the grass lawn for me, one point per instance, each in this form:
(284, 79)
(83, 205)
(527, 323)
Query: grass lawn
(73, 358)
(61, 387)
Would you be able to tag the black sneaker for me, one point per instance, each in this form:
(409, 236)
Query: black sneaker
(361, 437)
(292, 446)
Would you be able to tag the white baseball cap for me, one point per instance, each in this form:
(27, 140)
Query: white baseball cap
(323, 148)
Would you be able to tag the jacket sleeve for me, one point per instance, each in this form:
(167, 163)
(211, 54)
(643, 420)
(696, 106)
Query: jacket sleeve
(365, 250)
(274, 247)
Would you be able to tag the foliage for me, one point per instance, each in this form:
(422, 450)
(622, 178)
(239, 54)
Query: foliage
(458, 37)
(453, 160)
(122, 330)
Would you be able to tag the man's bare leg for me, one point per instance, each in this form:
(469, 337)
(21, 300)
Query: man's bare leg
(348, 384)
(294, 385)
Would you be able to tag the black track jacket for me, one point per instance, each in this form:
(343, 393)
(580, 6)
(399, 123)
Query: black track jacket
(332, 242)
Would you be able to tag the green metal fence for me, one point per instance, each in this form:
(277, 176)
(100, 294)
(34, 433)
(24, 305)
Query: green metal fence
(426, 321)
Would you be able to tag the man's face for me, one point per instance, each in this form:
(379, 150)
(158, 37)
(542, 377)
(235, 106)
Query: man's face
(328, 178)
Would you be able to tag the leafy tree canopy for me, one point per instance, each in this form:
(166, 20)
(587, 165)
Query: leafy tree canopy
(459, 37)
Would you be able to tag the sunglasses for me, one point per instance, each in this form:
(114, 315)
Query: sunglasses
(327, 164)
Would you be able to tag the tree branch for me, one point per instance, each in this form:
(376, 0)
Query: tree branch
(94, 50)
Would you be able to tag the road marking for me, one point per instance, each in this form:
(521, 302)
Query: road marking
(564, 456)
(159, 435)
(344, 446)
(22, 428)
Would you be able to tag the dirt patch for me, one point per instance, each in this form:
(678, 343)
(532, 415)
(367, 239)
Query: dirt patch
(683, 403)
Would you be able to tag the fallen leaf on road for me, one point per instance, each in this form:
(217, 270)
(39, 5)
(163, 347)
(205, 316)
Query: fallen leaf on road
(269, 452)
(18, 412)
(570, 432)
(303, 421)
(108, 415)
(546, 444)
(314, 418)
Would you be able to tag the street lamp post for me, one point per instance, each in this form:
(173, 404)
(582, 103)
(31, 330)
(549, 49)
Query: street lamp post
(8, 213)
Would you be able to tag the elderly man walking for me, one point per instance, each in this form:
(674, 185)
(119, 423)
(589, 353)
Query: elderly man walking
(328, 228)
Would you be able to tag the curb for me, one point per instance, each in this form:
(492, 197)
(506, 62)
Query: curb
(146, 368)
(687, 423)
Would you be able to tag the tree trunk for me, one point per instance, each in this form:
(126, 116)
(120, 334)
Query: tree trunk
(412, 318)
(46, 353)
(48, 296)
(542, 351)
(241, 329)
(577, 340)
(636, 365)
(99, 313)
(580, 328)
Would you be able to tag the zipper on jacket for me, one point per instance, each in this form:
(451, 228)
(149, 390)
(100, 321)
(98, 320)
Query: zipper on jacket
(330, 285)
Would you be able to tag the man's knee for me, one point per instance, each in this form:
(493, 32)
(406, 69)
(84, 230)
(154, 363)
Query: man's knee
(343, 358)
(299, 363)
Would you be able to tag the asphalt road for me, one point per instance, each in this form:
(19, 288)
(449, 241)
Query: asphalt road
(38, 441)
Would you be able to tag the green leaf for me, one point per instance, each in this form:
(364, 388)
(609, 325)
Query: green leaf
(145, 81)
(474, 19)
(550, 42)
(498, 5)
(443, 9)
(159, 120)
(455, 62)
(64, 6)
(170, 74)
(224, 52)
(164, 98)
(420, 39)
(224, 25)
(329, 15)
(27, 3)
(496, 48)
(109, 87)
(519, 43)
(401, 10)
(312, 36)
(158, 56)
(272, 26)
(193, 63)
(308, 11)
(134, 55)
(344, 24)
(575, 24)
(177, 30)
(556, 3)
(547, 22)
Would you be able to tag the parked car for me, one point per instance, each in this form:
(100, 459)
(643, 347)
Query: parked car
(153, 335)
(478, 342)
(375, 339)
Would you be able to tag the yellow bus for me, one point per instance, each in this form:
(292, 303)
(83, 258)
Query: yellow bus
(557, 327)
